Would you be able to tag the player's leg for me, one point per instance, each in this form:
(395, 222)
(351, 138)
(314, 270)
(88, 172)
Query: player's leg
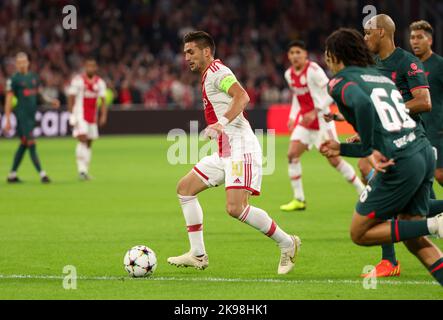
(81, 153)
(36, 161)
(238, 207)
(18, 157)
(348, 172)
(207, 173)
(295, 151)
(426, 251)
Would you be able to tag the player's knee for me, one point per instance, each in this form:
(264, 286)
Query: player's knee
(234, 209)
(335, 161)
(183, 188)
(439, 176)
(293, 158)
(357, 237)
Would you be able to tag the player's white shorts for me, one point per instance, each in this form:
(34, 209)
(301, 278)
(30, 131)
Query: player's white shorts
(90, 130)
(244, 174)
(315, 138)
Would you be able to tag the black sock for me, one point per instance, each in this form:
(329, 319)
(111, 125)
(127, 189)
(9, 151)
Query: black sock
(437, 270)
(435, 207)
(404, 230)
(18, 157)
(34, 157)
(388, 253)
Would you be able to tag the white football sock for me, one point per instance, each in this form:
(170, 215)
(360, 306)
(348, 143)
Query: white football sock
(294, 171)
(193, 214)
(348, 173)
(261, 221)
(88, 156)
(81, 156)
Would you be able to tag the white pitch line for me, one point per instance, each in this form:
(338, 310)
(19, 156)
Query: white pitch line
(209, 279)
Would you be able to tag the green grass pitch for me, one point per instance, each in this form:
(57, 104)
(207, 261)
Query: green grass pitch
(132, 200)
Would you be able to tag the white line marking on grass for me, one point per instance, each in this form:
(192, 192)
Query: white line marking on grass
(209, 279)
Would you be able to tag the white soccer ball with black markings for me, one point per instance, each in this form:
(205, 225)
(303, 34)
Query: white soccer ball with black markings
(140, 261)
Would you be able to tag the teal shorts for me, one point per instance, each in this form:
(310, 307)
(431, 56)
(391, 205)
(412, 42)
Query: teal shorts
(405, 188)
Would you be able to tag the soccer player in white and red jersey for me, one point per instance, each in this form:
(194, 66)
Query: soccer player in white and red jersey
(238, 163)
(83, 94)
(310, 101)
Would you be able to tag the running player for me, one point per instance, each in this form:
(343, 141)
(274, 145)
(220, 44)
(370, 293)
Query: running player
(408, 74)
(24, 85)
(308, 83)
(392, 207)
(237, 164)
(83, 95)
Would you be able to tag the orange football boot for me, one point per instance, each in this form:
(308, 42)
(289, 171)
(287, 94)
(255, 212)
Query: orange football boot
(384, 269)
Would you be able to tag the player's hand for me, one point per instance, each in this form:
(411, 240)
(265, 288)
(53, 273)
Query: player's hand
(213, 131)
(328, 117)
(379, 162)
(55, 103)
(354, 139)
(291, 124)
(330, 148)
(72, 120)
(308, 118)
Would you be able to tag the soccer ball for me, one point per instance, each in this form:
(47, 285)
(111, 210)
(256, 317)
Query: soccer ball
(140, 261)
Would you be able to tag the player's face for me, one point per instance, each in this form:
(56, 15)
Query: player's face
(330, 62)
(297, 57)
(420, 42)
(91, 68)
(372, 39)
(22, 64)
(194, 56)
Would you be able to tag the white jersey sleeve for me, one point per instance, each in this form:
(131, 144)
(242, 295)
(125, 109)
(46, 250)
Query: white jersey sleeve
(75, 86)
(317, 83)
(221, 74)
(101, 88)
(295, 106)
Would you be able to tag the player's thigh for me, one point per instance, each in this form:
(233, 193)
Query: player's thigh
(210, 171)
(419, 203)
(296, 149)
(190, 185)
(236, 201)
(388, 194)
(361, 224)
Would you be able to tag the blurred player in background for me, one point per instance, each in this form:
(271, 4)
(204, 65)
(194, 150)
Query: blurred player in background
(311, 100)
(394, 204)
(83, 94)
(24, 85)
(238, 164)
(421, 43)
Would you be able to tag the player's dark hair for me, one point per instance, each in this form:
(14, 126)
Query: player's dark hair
(349, 47)
(297, 43)
(202, 39)
(90, 59)
(422, 25)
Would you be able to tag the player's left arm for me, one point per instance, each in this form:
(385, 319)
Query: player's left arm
(240, 100)
(417, 81)
(103, 108)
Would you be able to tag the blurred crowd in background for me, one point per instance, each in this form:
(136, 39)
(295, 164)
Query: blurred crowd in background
(138, 43)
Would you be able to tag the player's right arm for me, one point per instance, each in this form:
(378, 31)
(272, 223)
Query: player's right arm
(8, 105)
(417, 81)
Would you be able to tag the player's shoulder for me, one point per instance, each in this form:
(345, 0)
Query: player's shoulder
(216, 72)
(409, 61)
(314, 66)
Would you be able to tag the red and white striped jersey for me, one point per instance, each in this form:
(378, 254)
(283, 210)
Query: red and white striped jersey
(309, 87)
(238, 137)
(86, 92)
